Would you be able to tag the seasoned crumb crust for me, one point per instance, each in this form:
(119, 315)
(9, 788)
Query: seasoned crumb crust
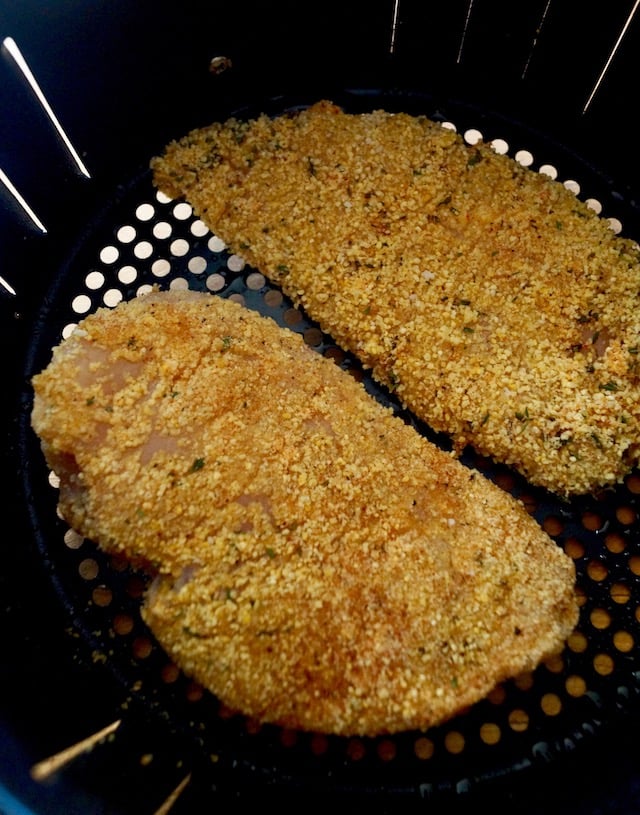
(318, 563)
(500, 308)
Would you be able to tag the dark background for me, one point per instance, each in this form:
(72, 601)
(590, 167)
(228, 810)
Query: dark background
(124, 78)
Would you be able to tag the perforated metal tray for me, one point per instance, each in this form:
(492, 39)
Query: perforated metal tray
(144, 240)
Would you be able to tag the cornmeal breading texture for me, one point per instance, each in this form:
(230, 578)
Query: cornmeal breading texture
(500, 309)
(318, 564)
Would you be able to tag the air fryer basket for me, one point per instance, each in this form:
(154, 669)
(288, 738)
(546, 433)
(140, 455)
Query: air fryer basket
(93, 716)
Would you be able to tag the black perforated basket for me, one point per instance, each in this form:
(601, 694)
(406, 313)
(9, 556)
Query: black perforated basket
(95, 717)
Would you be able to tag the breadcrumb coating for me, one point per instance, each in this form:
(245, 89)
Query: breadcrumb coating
(318, 563)
(500, 309)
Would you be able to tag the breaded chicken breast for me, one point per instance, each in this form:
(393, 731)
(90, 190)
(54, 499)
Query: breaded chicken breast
(318, 563)
(499, 308)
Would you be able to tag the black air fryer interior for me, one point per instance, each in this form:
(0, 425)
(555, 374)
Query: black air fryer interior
(125, 78)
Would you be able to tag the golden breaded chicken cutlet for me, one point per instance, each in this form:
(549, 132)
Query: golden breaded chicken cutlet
(498, 307)
(316, 562)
